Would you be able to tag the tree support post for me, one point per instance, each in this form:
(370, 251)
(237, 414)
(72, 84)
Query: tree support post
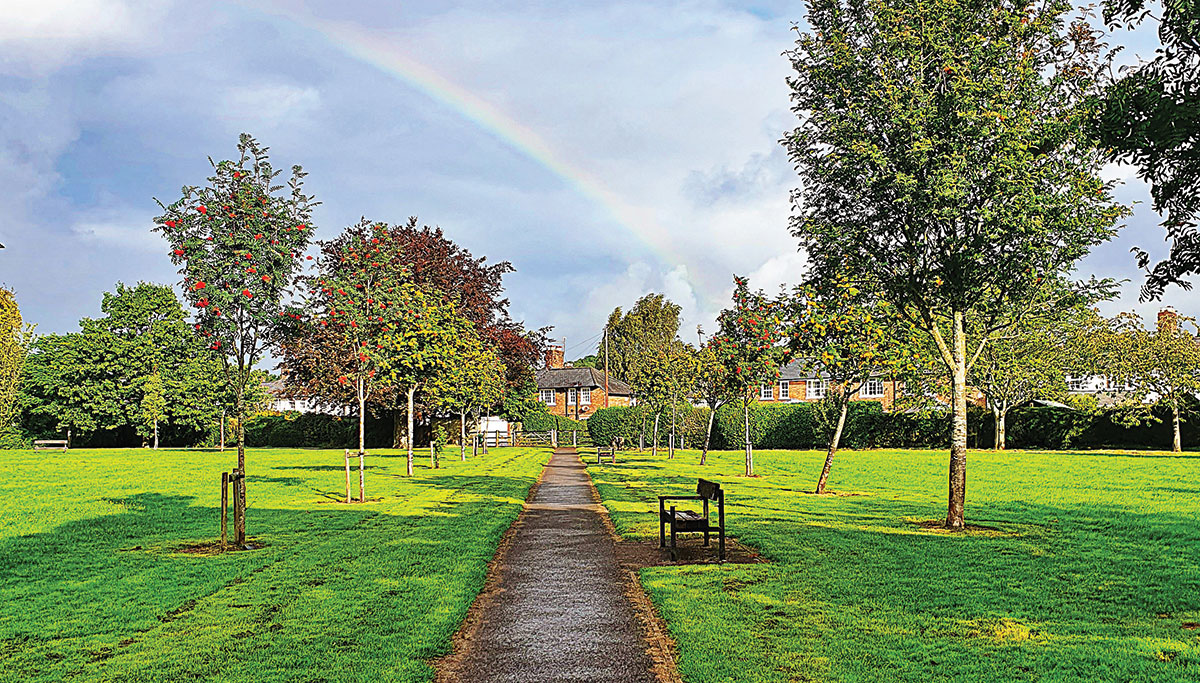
(224, 508)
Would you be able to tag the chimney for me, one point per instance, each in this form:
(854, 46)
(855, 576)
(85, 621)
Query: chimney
(554, 356)
(1168, 320)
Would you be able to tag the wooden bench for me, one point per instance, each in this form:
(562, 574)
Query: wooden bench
(606, 453)
(690, 521)
(45, 444)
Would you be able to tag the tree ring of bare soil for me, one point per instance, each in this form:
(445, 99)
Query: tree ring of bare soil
(938, 526)
(214, 548)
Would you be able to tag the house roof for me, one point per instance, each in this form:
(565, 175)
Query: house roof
(796, 371)
(565, 378)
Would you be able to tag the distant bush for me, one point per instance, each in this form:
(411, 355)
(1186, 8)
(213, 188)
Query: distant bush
(607, 424)
(312, 430)
(542, 421)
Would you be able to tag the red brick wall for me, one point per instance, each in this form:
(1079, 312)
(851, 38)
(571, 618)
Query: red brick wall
(798, 393)
(584, 411)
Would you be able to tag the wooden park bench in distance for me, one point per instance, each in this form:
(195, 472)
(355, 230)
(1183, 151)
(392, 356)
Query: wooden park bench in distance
(608, 453)
(45, 444)
(689, 521)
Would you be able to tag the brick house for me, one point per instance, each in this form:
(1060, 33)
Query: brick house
(797, 385)
(576, 393)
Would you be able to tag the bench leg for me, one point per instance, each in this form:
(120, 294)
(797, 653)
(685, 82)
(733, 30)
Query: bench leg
(662, 534)
(706, 538)
(674, 554)
(721, 545)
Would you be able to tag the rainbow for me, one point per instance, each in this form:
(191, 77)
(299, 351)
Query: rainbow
(377, 51)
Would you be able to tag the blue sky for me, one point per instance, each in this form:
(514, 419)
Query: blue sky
(636, 148)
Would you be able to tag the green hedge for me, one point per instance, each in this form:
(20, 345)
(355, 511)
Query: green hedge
(607, 424)
(543, 422)
(312, 430)
(781, 426)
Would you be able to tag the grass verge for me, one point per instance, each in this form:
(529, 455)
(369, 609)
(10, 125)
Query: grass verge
(94, 583)
(1081, 566)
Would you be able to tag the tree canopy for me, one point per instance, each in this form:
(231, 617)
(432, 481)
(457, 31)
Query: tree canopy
(950, 166)
(1150, 117)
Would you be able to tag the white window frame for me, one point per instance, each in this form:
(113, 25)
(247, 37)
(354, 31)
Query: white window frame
(814, 388)
(784, 390)
(547, 396)
(872, 388)
(571, 396)
(766, 392)
(585, 397)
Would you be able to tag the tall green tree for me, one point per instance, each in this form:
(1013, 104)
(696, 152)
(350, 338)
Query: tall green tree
(649, 327)
(1150, 117)
(1151, 367)
(747, 343)
(847, 336)
(942, 154)
(668, 377)
(715, 385)
(1030, 359)
(94, 380)
(15, 338)
(422, 346)
(239, 243)
(153, 405)
(472, 377)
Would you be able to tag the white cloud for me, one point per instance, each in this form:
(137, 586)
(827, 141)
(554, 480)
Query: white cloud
(268, 104)
(130, 232)
(40, 35)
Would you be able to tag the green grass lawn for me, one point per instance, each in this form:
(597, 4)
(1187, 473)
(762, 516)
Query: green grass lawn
(92, 586)
(1090, 574)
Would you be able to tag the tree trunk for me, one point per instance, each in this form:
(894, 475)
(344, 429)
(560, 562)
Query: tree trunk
(1001, 428)
(362, 417)
(1177, 444)
(654, 441)
(462, 436)
(958, 440)
(833, 445)
(707, 436)
(671, 445)
(156, 433)
(222, 430)
(239, 500)
(746, 436)
(409, 440)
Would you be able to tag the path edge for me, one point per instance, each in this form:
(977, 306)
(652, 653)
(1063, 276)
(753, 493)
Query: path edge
(659, 644)
(446, 667)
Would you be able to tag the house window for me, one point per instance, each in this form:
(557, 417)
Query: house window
(765, 392)
(547, 396)
(783, 390)
(585, 397)
(570, 397)
(814, 388)
(872, 388)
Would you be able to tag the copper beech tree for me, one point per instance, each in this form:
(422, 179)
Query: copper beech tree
(239, 243)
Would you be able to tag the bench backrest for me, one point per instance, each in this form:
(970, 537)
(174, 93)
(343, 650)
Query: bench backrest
(708, 489)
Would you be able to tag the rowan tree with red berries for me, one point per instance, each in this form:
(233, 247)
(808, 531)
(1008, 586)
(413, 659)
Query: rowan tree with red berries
(356, 297)
(747, 343)
(239, 243)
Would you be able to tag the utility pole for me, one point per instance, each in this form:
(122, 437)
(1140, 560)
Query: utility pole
(606, 365)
